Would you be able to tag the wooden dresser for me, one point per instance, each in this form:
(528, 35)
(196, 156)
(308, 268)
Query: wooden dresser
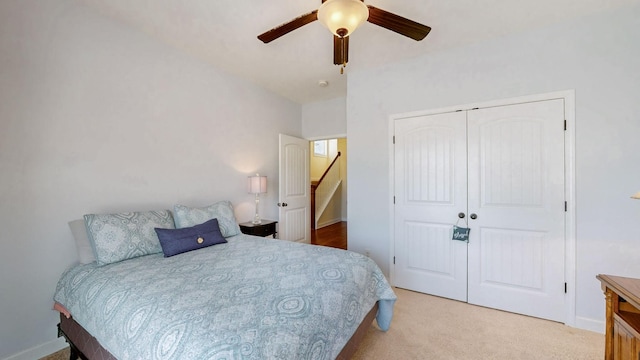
(622, 337)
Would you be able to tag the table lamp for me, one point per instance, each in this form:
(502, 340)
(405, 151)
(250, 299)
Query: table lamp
(257, 186)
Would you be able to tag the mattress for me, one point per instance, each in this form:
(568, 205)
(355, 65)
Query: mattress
(251, 298)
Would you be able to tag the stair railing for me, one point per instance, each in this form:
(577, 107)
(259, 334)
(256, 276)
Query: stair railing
(322, 191)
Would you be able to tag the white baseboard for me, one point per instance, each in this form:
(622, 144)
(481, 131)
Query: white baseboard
(590, 324)
(40, 351)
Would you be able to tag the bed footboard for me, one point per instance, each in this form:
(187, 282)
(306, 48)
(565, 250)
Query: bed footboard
(83, 345)
(74, 354)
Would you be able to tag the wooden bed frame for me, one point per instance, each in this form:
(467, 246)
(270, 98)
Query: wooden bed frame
(84, 346)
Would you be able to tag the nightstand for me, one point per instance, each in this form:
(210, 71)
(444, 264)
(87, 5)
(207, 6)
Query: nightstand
(266, 228)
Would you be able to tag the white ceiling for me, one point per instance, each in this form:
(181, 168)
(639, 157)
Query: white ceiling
(223, 33)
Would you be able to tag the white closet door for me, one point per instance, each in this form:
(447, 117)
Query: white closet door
(516, 189)
(430, 190)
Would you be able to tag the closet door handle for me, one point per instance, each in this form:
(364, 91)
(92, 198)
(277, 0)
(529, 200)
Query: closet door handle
(461, 215)
(473, 216)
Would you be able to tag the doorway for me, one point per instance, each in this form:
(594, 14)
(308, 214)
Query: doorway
(328, 174)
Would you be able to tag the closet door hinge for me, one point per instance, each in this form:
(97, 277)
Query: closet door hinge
(565, 125)
(394, 260)
(394, 139)
(394, 199)
(565, 206)
(565, 288)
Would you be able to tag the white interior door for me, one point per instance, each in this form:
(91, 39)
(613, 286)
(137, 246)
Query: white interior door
(294, 202)
(516, 190)
(430, 190)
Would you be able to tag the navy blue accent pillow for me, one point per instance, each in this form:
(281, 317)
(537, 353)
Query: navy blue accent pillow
(178, 241)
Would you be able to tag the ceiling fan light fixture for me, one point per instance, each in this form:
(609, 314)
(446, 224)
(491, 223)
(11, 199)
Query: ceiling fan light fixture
(342, 17)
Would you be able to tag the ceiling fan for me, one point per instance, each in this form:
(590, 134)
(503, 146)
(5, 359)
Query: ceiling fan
(342, 17)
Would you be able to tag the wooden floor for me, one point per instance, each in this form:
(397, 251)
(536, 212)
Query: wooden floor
(333, 235)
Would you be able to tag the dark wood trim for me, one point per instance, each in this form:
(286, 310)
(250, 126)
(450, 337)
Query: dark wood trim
(329, 168)
(314, 186)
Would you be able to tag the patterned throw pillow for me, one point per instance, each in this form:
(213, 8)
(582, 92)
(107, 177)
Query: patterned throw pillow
(178, 241)
(117, 237)
(223, 211)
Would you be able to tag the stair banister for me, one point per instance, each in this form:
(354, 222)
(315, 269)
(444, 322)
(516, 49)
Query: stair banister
(329, 168)
(325, 195)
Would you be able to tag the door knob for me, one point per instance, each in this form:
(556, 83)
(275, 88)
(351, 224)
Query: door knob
(461, 215)
(473, 216)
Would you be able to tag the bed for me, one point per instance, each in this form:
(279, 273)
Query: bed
(245, 298)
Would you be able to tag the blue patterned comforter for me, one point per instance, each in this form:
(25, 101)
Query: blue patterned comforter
(252, 298)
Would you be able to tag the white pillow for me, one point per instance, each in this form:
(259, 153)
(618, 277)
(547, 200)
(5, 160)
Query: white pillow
(83, 245)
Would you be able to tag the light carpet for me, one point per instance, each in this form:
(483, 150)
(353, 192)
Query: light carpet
(429, 327)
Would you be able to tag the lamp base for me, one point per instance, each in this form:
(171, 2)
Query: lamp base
(256, 218)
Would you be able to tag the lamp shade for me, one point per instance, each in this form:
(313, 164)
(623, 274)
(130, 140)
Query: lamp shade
(342, 17)
(636, 195)
(257, 184)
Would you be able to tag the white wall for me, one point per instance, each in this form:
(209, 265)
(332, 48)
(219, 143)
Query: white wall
(597, 56)
(95, 117)
(324, 119)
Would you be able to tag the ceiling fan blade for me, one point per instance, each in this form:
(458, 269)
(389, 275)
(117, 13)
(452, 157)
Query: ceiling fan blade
(286, 28)
(393, 22)
(340, 50)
